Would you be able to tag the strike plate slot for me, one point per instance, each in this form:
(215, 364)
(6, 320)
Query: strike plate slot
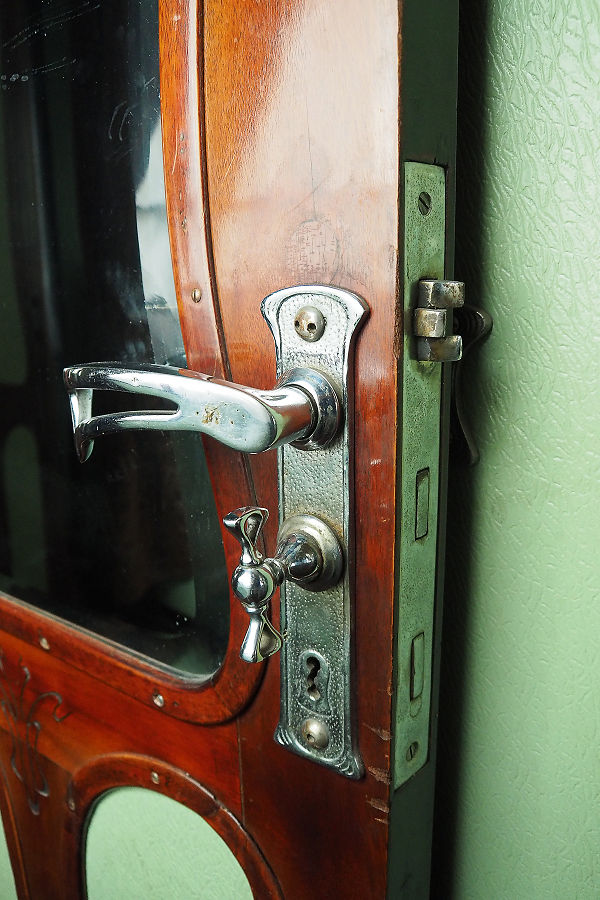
(315, 326)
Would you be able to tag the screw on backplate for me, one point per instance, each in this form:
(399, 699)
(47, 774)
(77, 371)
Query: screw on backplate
(154, 777)
(309, 323)
(158, 699)
(412, 751)
(197, 295)
(71, 804)
(424, 203)
(44, 643)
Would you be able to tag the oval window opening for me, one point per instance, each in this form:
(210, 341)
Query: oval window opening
(145, 846)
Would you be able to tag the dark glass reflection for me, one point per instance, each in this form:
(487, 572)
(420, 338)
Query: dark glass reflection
(127, 545)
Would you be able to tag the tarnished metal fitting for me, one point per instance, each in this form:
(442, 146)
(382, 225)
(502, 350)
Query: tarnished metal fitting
(433, 320)
(309, 323)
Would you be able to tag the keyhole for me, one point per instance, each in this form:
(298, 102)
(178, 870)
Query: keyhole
(313, 666)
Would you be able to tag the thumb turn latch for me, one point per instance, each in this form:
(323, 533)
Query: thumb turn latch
(308, 553)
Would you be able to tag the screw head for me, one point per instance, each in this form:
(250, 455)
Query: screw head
(158, 699)
(412, 751)
(44, 643)
(424, 203)
(309, 323)
(154, 777)
(197, 295)
(315, 734)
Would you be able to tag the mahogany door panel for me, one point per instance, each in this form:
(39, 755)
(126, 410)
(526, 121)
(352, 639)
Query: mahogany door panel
(285, 129)
(300, 192)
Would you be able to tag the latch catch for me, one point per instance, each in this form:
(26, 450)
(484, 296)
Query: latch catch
(433, 323)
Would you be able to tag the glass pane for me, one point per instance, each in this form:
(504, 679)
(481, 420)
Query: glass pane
(127, 545)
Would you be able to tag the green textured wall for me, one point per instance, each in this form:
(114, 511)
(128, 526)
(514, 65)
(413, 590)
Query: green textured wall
(519, 778)
(7, 882)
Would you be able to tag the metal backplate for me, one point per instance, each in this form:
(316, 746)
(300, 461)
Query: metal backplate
(424, 232)
(316, 699)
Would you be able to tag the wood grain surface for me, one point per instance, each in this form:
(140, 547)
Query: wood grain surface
(302, 167)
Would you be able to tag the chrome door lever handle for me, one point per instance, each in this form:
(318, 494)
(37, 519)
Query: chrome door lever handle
(303, 408)
(308, 553)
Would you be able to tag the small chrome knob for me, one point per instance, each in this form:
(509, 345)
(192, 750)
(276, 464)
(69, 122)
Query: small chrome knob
(308, 553)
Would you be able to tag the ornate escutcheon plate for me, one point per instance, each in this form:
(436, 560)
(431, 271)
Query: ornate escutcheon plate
(316, 718)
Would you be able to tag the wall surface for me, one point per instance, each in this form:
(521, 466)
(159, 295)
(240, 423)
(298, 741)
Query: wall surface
(519, 779)
(8, 890)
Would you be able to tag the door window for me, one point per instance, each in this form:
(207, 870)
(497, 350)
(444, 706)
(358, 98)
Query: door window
(128, 545)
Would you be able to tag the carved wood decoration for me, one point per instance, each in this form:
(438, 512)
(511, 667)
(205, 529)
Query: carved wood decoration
(281, 150)
(23, 720)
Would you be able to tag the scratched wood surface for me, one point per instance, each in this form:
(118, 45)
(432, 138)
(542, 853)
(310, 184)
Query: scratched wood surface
(280, 137)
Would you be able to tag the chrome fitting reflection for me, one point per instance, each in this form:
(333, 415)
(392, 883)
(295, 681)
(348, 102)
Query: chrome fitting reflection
(303, 408)
(308, 553)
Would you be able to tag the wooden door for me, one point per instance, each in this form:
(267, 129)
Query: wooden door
(286, 127)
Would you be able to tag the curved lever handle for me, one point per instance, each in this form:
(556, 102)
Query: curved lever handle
(303, 407)
(308, 553)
